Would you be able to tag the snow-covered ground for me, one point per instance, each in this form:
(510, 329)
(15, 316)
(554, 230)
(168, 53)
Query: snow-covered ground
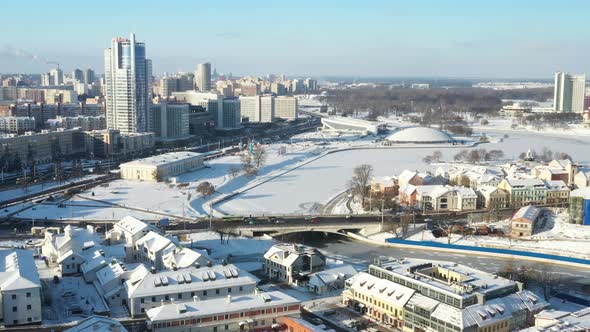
(32, 189)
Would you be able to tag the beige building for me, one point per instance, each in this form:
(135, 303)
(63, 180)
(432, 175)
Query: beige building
(557, 192)
(258, 108)
(46, 145)
(524, 220)
(286, 107)
(160, 167)
(492, 198)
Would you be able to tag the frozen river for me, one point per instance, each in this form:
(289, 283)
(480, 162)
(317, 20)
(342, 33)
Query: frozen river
(324, 178)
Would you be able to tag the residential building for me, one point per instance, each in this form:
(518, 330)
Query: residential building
(159, 167)
(78, 75)
(557, 192)
(445, 198)
(45, 145)
(286, 107)
(524, 221)
(181, 258)
(97, 324)
(231, 116)
(524, 191)
(127, 86)
(310, 85)
(492, 198)
(290, 263)
(110, 143)
(569, 92)
(151, 248)
(146, 290)
(57, 76)
(567, 165)
(128, 231)
(20, 288)
(582, 179)
(247, 312)
(414, 178)
(170, 120)
(84, 122)
(331, 280)
(178, 83)
(225, 112)
(89, 76)
(203, 76)
(70, 249)
(384, 185)
(257, 108)
(17, 124)
(278, 89)
(225, 88)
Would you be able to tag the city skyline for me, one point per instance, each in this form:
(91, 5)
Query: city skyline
(386, 39)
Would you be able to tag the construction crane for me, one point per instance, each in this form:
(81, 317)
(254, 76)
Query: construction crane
(53, 63)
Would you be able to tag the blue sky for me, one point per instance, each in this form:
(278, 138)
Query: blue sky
(453, 38)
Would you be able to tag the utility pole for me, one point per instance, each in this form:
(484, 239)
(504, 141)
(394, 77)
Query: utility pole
(382, 206)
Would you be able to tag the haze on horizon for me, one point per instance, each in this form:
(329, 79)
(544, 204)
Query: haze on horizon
(499, 39)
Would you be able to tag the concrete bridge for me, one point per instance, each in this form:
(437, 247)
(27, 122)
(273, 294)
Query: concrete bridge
(361, 228)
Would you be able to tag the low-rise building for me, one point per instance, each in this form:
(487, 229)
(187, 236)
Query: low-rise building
(557, 192)
(563, 321)
(71, 249)
(244, 312)
(414, 178)
(160, 167)
(385, 185)
(524, 221)
(492, 198)
(582, 179)
(128, 231)
(97, 324)
(294, 324)
(525, 191)
(152, 248)
(446, 198)
(289, 263)
(20, 288)
(579, 207)
(148, 289)
(330, 280)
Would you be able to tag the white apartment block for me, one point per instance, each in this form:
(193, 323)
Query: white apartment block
(289, 262)
(569, 92)
(150, 249)
(286, 107)
(20, 288)
(258, 108)
(85, 123)
(128, 231)
(70, 249)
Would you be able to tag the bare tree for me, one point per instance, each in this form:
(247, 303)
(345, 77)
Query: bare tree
(205, 189)
(405, 223)
(436, 156)
(248, 165)
(259, 157)
(359, 184)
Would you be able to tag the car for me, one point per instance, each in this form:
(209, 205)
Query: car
(349, 217)
(314, 220)
(279, 221)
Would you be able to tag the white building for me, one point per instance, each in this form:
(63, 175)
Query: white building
(248, 312)
(569, 92)
(257, 108)
(127, 86)
(563, 321)
(20, 288)
(160, 167)
(128, 231)
(289, 262)
(181, 258)
(146, 290)
(71, 249)
(150, 249)
(331, 280)
(339, 125)
(97, 324)
(286, 107)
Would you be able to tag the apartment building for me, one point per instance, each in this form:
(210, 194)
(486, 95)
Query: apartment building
(17, 124)
(557, 192)
(286, 107)
(492, 198)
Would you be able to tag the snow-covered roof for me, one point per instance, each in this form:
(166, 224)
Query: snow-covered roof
(556, 185)
(131, 225)
(530, 213)
(419, 135)
(525, 182)
(562, 321)
(97, 324)
(465, 192)
(191, 279)
(287, 253)
(18, 270)
(154, 241)
(217, 306)
(382, 289)
(162, 159)
(329, 276)
(183, 257)
(582, 192)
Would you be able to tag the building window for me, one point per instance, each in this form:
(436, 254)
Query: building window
(14, 296)
(28, 294)
(142, 300)
(13, 309)
(153, 299)
(229, 290)
(28, 307)
(217, 291)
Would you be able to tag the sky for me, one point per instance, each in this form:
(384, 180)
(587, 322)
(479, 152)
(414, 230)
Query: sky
(364, 38)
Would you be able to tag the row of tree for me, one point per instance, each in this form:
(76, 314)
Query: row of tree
(475, 156)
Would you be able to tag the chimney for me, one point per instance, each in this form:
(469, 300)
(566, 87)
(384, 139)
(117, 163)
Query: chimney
(195, 298)
(171, 300)
(229, 299)
(162, 302)
(255, 291)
